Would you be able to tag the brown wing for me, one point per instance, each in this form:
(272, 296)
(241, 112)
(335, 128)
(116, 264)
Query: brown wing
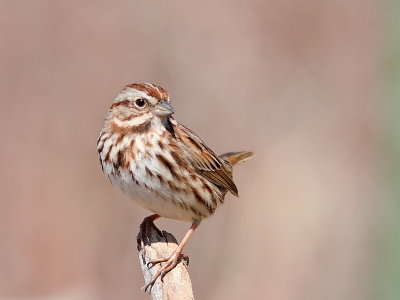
(205, 162)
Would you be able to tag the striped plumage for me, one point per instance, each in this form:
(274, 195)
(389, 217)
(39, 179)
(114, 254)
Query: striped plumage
(162, 165)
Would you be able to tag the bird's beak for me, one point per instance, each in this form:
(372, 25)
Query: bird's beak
(163, 109)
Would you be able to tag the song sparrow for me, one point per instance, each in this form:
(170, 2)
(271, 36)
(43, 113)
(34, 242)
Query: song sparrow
(161, 164)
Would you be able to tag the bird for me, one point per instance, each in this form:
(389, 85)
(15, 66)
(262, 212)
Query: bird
(161, 164)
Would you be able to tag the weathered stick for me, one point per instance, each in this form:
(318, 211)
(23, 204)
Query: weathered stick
(176, 284)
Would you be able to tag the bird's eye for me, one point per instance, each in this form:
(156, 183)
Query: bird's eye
(140, 102)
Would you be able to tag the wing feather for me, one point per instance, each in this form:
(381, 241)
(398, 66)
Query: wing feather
(204, 161)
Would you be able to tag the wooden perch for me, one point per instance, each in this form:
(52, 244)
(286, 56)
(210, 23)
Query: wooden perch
(176, 284)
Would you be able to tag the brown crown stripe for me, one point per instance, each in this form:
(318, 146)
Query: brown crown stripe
(167, 164)
(156, 91)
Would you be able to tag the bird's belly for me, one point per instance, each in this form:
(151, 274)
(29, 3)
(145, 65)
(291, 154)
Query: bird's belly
(165, 208)
(162, 197)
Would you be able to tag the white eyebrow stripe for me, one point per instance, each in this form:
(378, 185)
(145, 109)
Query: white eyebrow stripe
(130, 94)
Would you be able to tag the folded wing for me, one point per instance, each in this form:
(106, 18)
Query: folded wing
(204, 161)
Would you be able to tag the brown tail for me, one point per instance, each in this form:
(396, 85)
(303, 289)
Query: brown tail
(236, 157)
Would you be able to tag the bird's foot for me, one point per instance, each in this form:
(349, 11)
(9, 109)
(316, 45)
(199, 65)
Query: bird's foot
(170, 263)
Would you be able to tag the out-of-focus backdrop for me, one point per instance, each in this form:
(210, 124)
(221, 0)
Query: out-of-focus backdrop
(311, 86)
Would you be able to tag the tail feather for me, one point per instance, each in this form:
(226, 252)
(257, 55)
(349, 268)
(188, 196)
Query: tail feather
(236, 157)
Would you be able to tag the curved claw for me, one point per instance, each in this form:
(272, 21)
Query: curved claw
(157, 261)
(173, 264)
(170, 264)
(174, 259)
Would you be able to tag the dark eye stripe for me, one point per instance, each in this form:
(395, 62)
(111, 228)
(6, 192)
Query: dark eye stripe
(123, 102)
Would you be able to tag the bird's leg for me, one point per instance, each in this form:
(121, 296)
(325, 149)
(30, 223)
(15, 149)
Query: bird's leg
(172, 261)
(142, 236)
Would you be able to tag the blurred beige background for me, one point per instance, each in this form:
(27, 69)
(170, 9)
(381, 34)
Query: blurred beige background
(297, 82)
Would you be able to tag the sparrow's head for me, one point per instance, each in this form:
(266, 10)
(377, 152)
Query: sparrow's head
(140, 99)
(138, 104)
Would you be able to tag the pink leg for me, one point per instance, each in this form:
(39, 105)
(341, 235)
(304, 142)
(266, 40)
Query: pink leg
(173, 260)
